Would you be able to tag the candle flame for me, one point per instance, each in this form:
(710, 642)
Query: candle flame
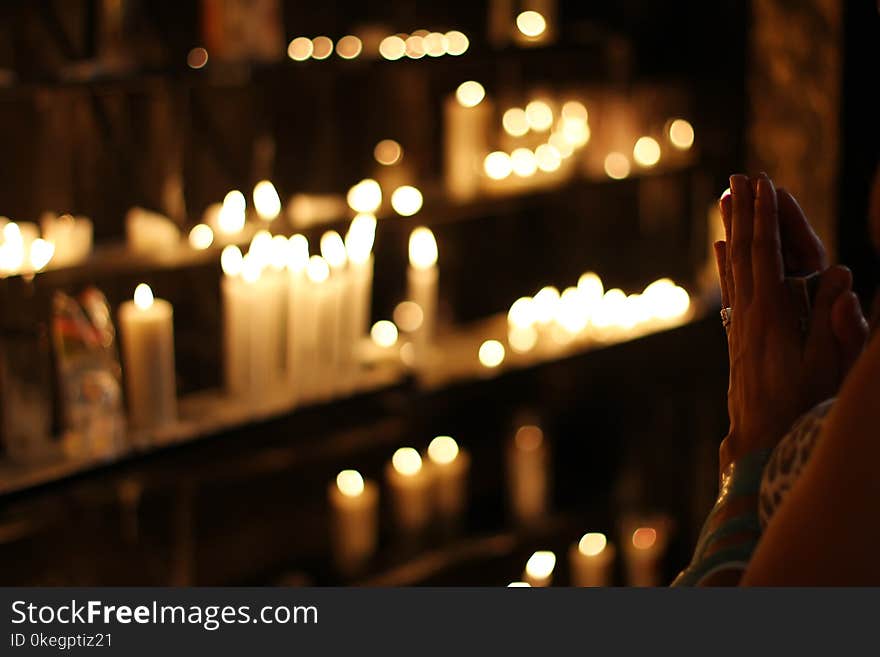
(365, 196)
(388, 152)
(646, 151)
(541, 564)
(497, 165)
(456, 42)
(681, 134)
(522, 313)
(422, 248)
(384, 333)
(252, 267)
(592, 544)
(297, 253)
(545, 303)
(617, 165)
(531, 23)
(333, 250)
(644, 538)
(266, 200)
(143, 296)
(406, 200)
(41, 253)
(470, 93)
(528, 438)
(515, 122)
(591, 287)
(231, 260)
(539, 115)
(407, 461)
(201, 237)
(491, 353)
(350, 483)
(317, 269)
(443, 450)
(360, 237)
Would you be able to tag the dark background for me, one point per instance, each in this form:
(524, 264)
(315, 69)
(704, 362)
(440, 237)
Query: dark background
(634, 427)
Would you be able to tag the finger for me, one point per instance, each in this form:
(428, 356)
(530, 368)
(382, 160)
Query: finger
(803, 251)
(821, 352)
(766, 251)
(726, 213)
(849, 327)
(721, 262)
(724, 204)
(740, 250)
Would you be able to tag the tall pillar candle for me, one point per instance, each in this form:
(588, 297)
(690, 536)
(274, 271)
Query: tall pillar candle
(591, 561)
(450, 467)
(333, 251)
(528, 463)
(467, 116)
(354, 506)
(644, 547)
(298, 313)
(409, 484)
(147, 328)
(358, 246)
(325, 328)
(422, 280)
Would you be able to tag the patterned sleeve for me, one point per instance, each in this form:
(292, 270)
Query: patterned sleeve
(731, 532)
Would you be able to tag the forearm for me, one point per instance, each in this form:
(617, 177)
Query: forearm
(826, 530)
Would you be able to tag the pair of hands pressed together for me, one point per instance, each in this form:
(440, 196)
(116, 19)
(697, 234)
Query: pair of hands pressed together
(776, 371)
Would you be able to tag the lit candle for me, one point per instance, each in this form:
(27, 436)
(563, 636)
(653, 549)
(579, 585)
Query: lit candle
(539, 569)
(591, 561)
(299, 310)
(72, 237)
(341, 354)
(644, 548)
(522, 335)
(450, 467)
(421, 279)
(228, 219)
(147, 329)
(410, 486)
(267, 203)
(253, 315)
(150, 232)
(324, 330)
(467, 116)
(359, 249)
(354, 506)
(528, 474)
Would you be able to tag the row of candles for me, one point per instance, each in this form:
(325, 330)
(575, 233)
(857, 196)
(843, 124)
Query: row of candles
(591, 559)
(538, 142)
(292, 322)
(551, 320)
(432, 488)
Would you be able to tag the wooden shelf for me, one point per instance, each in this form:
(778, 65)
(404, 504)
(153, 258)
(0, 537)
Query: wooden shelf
(209, 414)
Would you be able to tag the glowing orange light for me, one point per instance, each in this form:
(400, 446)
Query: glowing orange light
(197, 58)
(644, 538)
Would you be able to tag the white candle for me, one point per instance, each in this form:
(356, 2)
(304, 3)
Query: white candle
(528, 474)
(72, 237)
(422, 277)
(147, 329)
(227, 219)
(591, 561)
(299, 311)
(342, 365)
(150, 232)
(643, 550)
(409, 484)
(252, 306)
(358, 246)
(467, 116)
(450, 467)
(323, 331)
(354, 506)
(539, 569)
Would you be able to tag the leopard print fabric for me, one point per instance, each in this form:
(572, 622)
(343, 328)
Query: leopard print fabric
(788, 460)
